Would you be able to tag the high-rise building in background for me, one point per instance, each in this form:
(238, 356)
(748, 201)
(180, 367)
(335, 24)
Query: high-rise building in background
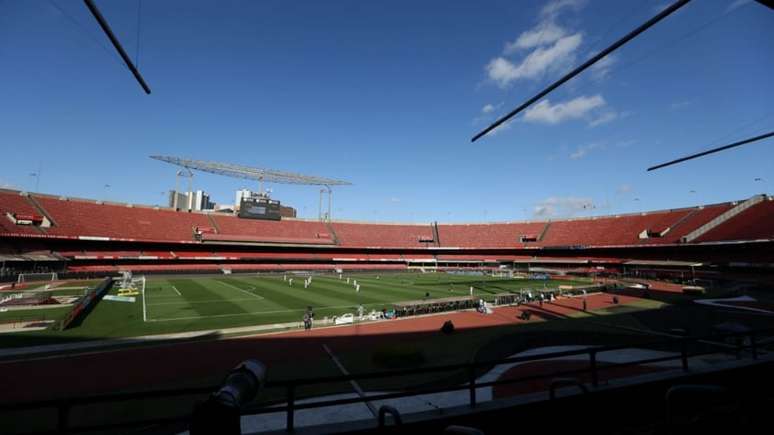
(178, 200)
(199, 200)
(241, 194)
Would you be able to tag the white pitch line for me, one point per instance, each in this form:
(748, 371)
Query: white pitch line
(243, 291)
(208, 301)
(355, 385)
(144, 308)
(176, 291)
(256, 312)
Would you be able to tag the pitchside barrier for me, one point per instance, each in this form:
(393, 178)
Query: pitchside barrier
(430, 306)
(82, 308)
(412, 308)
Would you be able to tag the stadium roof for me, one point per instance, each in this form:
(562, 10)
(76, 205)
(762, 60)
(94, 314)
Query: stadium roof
(250, 173)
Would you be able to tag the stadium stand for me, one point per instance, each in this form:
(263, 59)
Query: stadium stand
(501, 235)
(755, 223)
(232, 228)
(701, 216)
(91, 236)
(13, 204)
(604, 231)
(383, 235)
(81, 218)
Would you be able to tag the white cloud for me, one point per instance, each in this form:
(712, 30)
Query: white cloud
(626, 143)
(487, 113)
(553, 8)
(736, 5)
(562, 206)
(678, 105)
(394, 199)
(553, 47)
(624, 188)
(502, 127)
(547, 32)
(584, 150)
(604, 118)
(7, 185)
(540, 60)
(601, 69)
(577, 108)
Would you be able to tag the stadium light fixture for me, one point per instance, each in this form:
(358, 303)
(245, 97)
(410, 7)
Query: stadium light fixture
(596, 58)
(251, 173)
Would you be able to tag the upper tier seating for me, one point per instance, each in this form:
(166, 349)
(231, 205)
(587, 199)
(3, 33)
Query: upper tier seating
(757, 222)
(161, 255)
(12, 202)
(604, 231)
(695, 220)
(215, 268)
(91, 220)
(87, 218)
(383, 235)
(505, 235)
(233, 228)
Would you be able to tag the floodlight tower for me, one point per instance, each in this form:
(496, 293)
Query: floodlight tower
(327, 216)
(260, 174)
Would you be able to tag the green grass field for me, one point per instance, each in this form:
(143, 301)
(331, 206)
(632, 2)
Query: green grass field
(271, 299)
(179, 304)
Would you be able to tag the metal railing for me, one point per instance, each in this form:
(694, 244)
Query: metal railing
(744, 341)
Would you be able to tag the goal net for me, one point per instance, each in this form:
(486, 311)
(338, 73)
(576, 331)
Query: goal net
(503, 273)
(131, 285)
(36, 277)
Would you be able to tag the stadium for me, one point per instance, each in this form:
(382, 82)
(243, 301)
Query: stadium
(251, 316)
(201, 278)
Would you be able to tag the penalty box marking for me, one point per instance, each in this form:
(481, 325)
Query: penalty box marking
(242, 290)
(206, 301)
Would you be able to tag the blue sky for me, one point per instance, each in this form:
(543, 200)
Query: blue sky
(387, 95)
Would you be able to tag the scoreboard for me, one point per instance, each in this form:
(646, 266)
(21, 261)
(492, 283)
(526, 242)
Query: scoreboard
(259, 208)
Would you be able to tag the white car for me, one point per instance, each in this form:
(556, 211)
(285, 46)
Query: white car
(344, 319)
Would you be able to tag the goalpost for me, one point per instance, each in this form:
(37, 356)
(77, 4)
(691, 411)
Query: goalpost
(503, 273)
(36, 277)
(130, 285)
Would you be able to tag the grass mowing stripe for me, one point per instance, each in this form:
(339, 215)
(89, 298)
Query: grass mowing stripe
(348, 294)
(198, 291)
(241, 290)
(279, 297)
(315, 293)
(408, 292)
(386, 290)
(387, 287)
(211, 301)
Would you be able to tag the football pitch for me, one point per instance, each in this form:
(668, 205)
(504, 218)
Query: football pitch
(176, 304)
(272, 299)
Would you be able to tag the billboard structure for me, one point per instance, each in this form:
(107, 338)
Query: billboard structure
(259, 208)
